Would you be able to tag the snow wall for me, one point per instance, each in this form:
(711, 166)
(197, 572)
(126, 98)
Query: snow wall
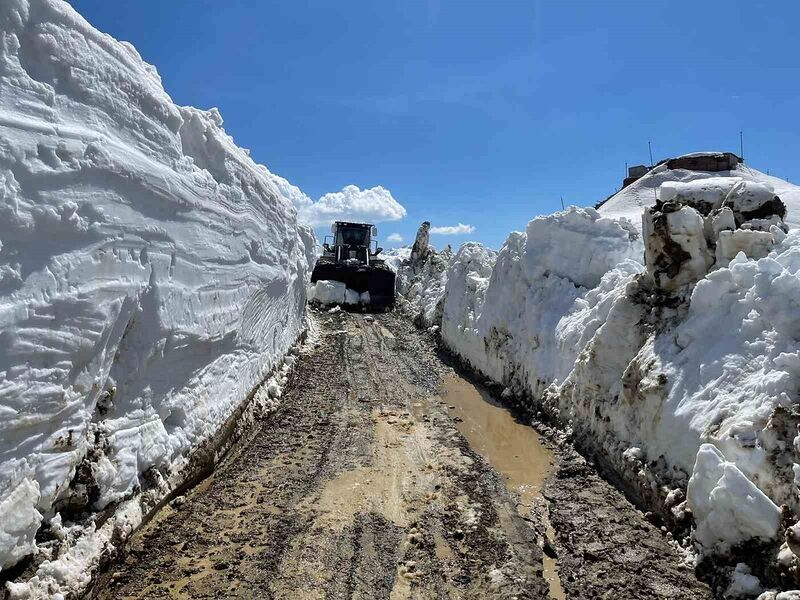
(696, 381)
(151, 276)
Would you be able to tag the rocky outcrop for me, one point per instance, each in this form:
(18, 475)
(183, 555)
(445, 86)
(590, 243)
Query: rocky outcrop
(421, 279)
(697, 225)
(705, 161)
(422, 242)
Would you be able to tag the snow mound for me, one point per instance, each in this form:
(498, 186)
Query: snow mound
(631, 201)
(151, 274)
(421, 277)
(579, 244)
(743, 584)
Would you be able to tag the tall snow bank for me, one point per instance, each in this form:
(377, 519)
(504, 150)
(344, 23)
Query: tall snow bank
(151, 274)
(507, 314)
(676, 365)
(645, 374)
(732, 362)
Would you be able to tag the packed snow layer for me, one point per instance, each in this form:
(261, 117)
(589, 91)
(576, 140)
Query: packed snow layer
(504, 313)
(631, 201)
(151, 274)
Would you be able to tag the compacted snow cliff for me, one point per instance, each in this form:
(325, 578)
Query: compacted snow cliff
(664, 335)
(151, 276)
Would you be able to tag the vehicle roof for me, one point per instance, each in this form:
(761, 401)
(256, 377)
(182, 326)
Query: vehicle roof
(352, 224)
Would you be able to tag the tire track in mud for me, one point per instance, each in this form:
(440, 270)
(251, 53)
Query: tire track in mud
(608, 548)
(361, 486)
(346, 491)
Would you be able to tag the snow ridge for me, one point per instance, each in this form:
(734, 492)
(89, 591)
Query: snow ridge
(690, 377)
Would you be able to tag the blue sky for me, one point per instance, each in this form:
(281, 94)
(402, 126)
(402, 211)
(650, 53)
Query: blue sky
(481, 113)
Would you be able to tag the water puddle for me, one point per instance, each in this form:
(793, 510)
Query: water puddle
(513, 449)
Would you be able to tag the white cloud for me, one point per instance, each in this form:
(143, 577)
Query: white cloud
(453, 229)
(394, 237)
(291, 192)
(373, 205)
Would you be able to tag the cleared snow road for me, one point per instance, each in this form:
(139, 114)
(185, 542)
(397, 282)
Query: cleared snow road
(362, 485)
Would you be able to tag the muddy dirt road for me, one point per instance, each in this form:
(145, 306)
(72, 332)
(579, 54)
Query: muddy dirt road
(384, 474)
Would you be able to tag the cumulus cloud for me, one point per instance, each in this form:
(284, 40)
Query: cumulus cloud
(453, 229)
(394, 237)
(373, 205)
(289, 191)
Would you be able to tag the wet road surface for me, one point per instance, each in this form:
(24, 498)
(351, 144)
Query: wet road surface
(385, 474)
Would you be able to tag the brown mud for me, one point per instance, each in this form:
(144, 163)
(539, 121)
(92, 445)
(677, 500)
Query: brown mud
(366, 484)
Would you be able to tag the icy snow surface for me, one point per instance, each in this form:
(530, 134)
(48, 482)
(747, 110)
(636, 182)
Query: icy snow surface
(151, 274)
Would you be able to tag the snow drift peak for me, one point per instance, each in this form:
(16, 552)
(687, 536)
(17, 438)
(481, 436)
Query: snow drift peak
(580, 244)
(631, 200)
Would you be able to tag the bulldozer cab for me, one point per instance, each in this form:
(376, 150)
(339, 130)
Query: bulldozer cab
(351, 241)
(352, 235)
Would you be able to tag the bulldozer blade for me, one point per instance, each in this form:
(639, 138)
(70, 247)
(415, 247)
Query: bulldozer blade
(377, 280)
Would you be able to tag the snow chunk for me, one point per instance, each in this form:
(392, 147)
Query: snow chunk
(676, 252)
(753, 244)
(704, 195)
(788, 595)
(743, 584)
(753, 200)
(421, 242)
(19, 521)
(328, 292)
(335, 292)
(580, 244)
(421, 277)
(728, 507)
(351, 296)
